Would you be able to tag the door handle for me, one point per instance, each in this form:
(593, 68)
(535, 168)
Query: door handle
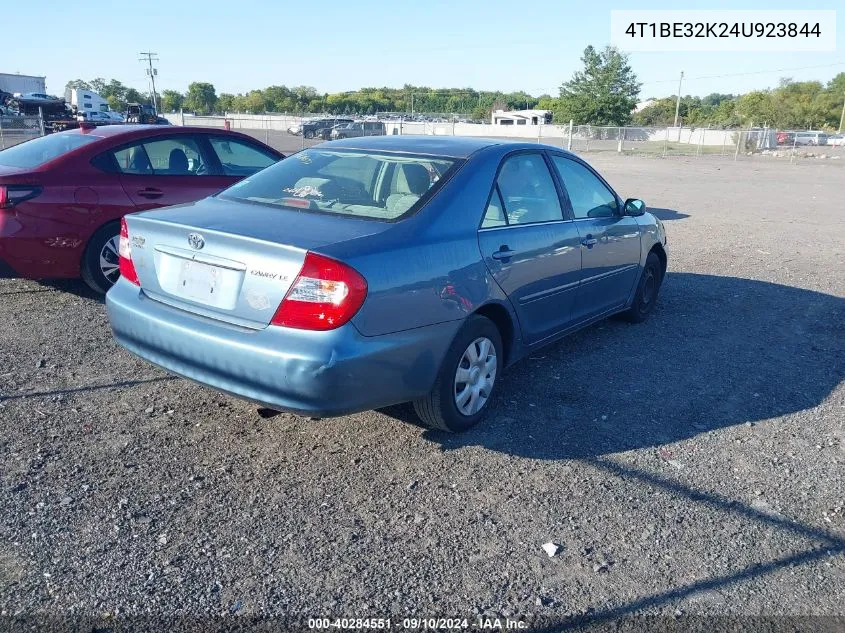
(503, 253)
(589, 241)
(149, 192)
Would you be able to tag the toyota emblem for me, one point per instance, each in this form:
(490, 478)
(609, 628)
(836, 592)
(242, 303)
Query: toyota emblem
(196, 241)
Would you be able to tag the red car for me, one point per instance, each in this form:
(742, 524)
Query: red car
(62, 195)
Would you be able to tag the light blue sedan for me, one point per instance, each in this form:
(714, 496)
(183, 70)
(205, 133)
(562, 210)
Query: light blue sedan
(367, 272)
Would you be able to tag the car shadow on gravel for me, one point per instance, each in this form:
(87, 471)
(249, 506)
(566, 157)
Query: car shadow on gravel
(667, 214)
(717, 352)
(86, 389)
(72, 286)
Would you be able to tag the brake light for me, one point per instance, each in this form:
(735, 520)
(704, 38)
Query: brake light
(325, 295)
(127, 268)
(10, 195)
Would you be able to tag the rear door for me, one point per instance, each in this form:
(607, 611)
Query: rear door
(609, 241)
(166, 170)
(530, 248)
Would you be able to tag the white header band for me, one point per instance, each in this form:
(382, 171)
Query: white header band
(723, 30)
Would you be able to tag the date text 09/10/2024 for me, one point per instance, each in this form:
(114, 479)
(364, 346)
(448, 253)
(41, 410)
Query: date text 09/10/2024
(417, 624)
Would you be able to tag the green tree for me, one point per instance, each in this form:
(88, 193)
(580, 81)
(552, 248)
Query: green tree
(604, 93)
(225, 102)
(171, 100)
(756, 108)
(77, 84)
(201, 97)
(98, 85)
(133, 96)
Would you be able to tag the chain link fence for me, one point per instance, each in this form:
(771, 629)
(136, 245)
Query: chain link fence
(284, 132)
(17, 129)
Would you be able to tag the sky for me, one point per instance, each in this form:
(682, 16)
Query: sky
(340, 45)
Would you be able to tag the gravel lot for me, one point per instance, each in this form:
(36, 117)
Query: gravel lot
(689, 465)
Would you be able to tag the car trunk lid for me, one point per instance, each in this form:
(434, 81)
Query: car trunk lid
(227, 260)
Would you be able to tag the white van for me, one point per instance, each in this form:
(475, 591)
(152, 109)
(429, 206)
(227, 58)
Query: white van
(810, 138)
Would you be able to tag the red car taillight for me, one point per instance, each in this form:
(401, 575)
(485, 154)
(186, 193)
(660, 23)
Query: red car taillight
(127, 268)
(10, 195)
(325, 295)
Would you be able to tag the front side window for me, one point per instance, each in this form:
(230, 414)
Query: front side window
(589, 196)
(527, 190)
(345, 182)
(239, 158)
(164, 157)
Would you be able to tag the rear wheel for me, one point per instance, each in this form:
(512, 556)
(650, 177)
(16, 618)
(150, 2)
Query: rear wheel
(100, 262)
(467, 379)
(646, 295)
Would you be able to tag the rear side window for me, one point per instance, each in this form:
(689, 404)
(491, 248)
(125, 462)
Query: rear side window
(162, 157)
(44, 149)
(239, 158)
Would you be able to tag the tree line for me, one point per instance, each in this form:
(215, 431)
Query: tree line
(604, 91)
(793, 105)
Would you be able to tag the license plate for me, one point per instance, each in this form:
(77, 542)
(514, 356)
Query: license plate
(199, 281)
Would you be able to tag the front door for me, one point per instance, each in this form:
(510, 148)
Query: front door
(531, 251)
(609, 241)
(162, 171)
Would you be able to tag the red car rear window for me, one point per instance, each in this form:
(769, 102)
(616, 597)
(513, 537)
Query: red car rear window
(44, 149)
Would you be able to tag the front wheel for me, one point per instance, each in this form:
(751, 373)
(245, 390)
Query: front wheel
(100, 263)
(646, 294)
(467, 379)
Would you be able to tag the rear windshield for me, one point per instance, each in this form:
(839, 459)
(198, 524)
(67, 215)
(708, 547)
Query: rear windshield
(43, 149)
(346, 182)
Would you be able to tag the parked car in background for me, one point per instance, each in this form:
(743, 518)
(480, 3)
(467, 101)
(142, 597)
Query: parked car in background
(317, 128)
(357, 129)
(837, 140)
(101, 117)
(785, 138)
(367, 272)
(810, 138)
(62, 195)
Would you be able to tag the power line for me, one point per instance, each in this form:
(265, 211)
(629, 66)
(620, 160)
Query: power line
(753, 72)
(151, 73)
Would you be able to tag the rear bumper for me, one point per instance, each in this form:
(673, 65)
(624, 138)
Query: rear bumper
(35, 247)
(321, 374)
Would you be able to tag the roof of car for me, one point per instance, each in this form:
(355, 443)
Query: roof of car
(133, 131)
(118, 130)
(452, 146)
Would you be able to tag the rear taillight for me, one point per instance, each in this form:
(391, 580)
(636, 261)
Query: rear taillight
(10, 195)
(127, 268)
(325, 295)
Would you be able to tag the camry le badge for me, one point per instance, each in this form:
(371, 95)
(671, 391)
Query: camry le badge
(196, 241)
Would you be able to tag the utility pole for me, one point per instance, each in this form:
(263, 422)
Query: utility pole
(151, 73)
(678, 101)
(842, 116)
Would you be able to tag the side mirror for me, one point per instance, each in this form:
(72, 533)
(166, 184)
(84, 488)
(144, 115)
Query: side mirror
(633, 207)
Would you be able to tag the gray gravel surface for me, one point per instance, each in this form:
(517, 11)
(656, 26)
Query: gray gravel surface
(689, 465)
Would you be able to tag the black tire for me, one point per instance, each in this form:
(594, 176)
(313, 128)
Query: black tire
(647, 290)
(309, 135)
(91, 269)
(438, 410)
